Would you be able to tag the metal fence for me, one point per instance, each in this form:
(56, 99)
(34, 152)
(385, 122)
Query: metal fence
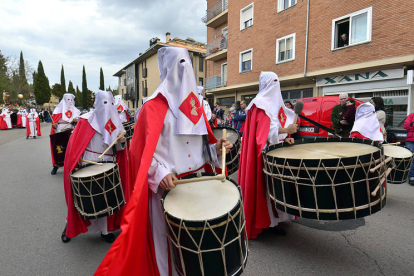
(217, 45)
(217, 8)
(216, 81)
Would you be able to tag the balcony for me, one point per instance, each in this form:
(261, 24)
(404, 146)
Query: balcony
(217, 49)
(216, 81)
(216, 15)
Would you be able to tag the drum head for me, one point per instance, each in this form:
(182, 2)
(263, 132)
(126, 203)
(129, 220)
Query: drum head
(232, 135)
(397, 151)
(93, 170)
(323, 150)
(202, 200)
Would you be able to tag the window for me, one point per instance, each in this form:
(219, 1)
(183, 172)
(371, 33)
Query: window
(226, 101)
(224, 74)
(246, 16)
(200, 64)
(285, 48)
(284, 4)
(248, 98)
(297, 94)
(125, 82)
(200, 81)
(352, 29)
(246, 59)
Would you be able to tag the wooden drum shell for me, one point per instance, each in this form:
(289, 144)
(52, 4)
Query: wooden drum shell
(326, 189)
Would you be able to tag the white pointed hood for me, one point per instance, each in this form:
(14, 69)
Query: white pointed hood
(179, 87)
(67, 108)
(104, 119)
(366, 122)
(120, 104)
(270, 100)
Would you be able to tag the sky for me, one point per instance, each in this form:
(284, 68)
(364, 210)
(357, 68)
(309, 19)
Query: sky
(105, 34)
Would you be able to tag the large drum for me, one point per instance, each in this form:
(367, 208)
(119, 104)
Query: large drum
(233, 157)
(129, 128)
(97, 190)
(326, 179)
(402, 158)
(206, 227)
(58, 143)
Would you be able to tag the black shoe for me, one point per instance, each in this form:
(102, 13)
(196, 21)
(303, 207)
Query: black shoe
(63, 237)
(411, 182)
(279, 231)
(110, 238)
(54, 170)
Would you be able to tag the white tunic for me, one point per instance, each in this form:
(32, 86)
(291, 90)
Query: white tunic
(24, 114)
(175, 154)
(7, 119)
(96, 145)
(63, 125)
(207, 109)
(32, 124)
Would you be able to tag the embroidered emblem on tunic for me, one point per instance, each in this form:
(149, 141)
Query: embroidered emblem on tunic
(282, 117)
(110, 127)
(120, 108)
(68, 114)
(190, 107)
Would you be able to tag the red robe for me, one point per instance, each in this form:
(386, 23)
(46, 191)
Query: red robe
(39, 133)
(250, 176)
(19, 122)
(3, 124)
(133, 251)
(78, 142)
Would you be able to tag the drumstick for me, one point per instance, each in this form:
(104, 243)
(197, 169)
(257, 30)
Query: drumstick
(380, 164)
(397, 143)
(113, 143)
(90, 162)
(223, 156)
(66, 125)
(221, 177)
(374, 193)
(51, 117)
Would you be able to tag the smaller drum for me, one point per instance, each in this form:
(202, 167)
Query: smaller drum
(97, 190)
(206, 227)
(59, 142)
(233, 157)
(401, 164)
(129, 128)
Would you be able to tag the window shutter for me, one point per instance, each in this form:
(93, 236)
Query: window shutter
(247, 14)
(246, 56)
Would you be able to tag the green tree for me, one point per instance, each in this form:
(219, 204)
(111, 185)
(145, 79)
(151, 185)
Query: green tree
(101, 81)
(42, 87)
(84, 89)
(78, 97)
(71, 90)
(91, 98)
(62, 82)
(22, 71)
(4, 78)
(57, 90)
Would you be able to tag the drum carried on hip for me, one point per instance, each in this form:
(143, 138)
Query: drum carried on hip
(233, 157)
(59, 142)
(129, 128)
(97, 190)
(206, 227)
(326, 179)
(402, 158)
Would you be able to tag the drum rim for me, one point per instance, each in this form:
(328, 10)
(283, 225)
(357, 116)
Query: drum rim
(233, 212)
(88, 165)
(62, 132)
(401, 146)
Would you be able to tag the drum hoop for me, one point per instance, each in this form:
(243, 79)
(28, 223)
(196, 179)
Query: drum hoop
(114, 168)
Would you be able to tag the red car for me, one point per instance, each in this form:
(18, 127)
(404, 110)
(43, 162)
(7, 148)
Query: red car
(318, 109)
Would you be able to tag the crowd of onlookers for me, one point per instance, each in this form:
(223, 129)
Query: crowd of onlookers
(234, 118)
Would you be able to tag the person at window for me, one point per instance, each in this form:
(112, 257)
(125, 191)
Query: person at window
(240, 117)
(223, 42)
(409, 142)
(337, 122)
(378, 103)
(343, 42)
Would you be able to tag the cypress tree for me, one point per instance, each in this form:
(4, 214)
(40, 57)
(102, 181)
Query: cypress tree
(78, 98)
(42, 87)
(62, 82)
(4, 78)
(84, 89)
(101, 81)
(22, 70)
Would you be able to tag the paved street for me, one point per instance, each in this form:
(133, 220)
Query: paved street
(33, 210)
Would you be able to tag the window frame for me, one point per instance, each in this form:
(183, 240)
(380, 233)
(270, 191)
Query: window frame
(240, 60)
(200, 64)
(281, 2)
(342, 18)
(293, 48)
(251, 5)
(222, 74)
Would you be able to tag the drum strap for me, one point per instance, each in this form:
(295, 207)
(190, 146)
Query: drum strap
(207, 147)
(188, 173)
(99, 152)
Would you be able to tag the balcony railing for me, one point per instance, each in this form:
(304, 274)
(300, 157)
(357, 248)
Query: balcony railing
(216, 81)
(217, 8)
(217, 45)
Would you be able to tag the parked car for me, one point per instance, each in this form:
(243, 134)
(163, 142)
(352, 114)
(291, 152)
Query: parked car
(318, 109)
(397, 133)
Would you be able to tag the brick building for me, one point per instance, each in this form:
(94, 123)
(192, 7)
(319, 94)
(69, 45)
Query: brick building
(301, 42)
(141, 77)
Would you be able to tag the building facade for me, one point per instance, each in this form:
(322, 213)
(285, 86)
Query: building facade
(317, 48)
(141, 77)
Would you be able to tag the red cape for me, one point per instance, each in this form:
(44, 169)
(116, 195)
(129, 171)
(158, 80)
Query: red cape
(250, 176)
(133, 251)
(55, 118)
(3, 124)
(19, 121)
(78, 142)
(39, 133)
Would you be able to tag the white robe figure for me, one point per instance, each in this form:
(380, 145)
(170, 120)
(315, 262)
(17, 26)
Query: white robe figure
(206, 105)
(69, 112)
(32, 123)
(6, 117)
(23, 112)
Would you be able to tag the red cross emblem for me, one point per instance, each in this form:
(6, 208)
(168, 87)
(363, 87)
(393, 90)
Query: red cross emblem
(68, 114)
(191, 108)
(282, 117)
(110, 127)
(120, 108)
